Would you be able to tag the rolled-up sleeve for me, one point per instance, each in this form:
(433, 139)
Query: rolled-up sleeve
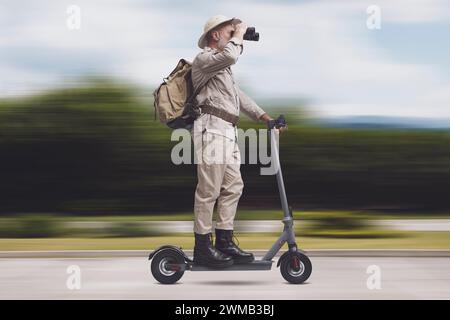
(248, 106)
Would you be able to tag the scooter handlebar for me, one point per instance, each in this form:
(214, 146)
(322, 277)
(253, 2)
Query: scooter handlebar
(277, 123)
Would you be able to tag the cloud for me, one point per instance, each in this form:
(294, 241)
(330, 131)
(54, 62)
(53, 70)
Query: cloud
(325, 52)
(320, 50)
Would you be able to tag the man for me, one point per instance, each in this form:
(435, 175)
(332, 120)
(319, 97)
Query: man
(220, 101)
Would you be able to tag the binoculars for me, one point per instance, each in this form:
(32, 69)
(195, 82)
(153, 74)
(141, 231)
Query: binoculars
(251, 34)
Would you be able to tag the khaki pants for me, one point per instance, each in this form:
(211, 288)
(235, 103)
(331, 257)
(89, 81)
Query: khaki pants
(219, 180)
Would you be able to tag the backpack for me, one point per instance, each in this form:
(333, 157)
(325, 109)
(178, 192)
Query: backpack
(174, 98)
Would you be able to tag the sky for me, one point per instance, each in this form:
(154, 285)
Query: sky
(321, 52)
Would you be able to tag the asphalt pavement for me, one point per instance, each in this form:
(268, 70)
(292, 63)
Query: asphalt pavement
(352, 277)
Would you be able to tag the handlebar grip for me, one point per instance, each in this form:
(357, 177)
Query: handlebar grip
(277, 123)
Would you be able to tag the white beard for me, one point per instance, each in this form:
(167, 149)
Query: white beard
(222, 43)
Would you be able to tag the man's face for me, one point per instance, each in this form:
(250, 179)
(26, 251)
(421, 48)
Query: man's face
(225, 33)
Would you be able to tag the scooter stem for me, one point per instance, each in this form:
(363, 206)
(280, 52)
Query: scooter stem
(274, 145)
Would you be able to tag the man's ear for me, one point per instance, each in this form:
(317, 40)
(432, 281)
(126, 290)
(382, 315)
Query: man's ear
(215, 35)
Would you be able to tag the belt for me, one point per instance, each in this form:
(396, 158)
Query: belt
(220, 113)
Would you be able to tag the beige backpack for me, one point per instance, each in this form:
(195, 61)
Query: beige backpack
(174, 98)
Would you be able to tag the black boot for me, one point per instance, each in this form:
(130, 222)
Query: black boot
(205, 254)
(224, 243)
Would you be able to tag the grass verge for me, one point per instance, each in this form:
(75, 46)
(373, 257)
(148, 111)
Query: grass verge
(408, 240)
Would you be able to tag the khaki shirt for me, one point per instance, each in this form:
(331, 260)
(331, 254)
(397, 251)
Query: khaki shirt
(221, 91)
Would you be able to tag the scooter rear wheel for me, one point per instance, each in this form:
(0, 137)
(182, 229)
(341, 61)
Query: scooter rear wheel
(160, 266)
(296, 268)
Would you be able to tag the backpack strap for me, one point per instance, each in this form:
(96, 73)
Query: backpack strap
(190, 108)
(196, 92)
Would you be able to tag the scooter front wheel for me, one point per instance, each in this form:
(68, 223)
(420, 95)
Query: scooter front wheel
(296, 268)
(162, 266)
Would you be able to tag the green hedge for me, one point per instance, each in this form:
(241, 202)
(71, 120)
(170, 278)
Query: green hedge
(97, 149)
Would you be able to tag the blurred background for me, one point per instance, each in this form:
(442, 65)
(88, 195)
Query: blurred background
(365, 90)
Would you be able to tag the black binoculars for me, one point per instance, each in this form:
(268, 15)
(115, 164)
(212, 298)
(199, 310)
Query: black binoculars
(251, 34)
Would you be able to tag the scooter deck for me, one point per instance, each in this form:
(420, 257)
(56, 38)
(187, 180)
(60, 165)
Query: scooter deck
(254, 265)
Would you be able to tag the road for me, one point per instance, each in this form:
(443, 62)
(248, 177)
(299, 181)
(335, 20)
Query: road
(129, 278)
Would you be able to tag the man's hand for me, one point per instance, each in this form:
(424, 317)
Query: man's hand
(266, 118)
(239, 30)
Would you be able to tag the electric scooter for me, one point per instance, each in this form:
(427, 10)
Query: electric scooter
(168, 263)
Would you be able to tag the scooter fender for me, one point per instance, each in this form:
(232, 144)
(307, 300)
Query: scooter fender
(169, 247)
